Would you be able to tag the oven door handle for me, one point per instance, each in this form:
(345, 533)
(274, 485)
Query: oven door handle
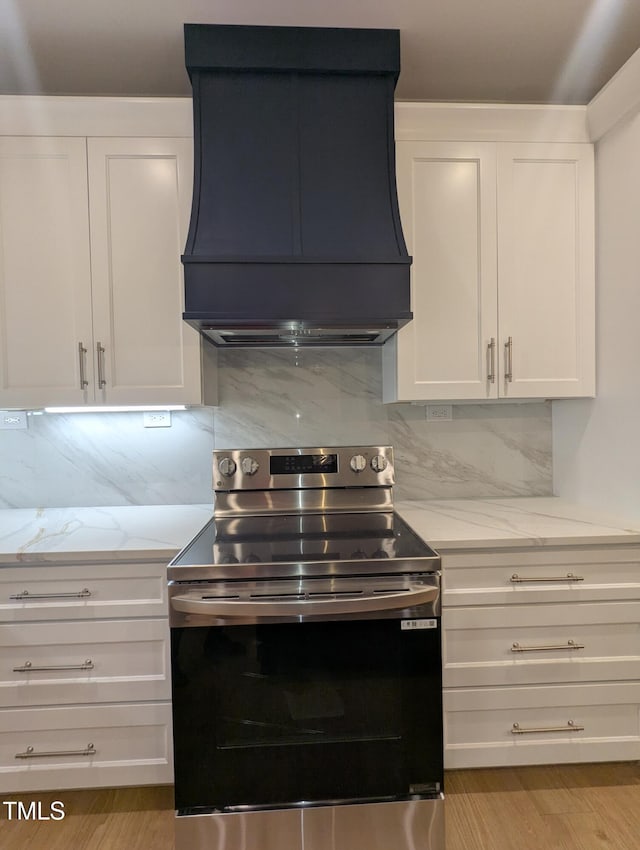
(274, 607)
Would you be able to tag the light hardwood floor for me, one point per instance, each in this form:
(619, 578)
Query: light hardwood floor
(585, 807)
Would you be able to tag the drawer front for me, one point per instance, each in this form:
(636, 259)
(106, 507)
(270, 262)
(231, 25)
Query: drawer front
(55, 748)
(82, 592)
(80, 662)
(542, 575)
(486, 735)
(536, 644)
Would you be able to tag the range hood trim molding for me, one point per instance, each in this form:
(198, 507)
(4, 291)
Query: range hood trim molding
(330, 50)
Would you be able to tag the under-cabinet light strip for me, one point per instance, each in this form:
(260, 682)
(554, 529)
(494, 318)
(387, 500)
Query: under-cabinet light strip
(117, 409)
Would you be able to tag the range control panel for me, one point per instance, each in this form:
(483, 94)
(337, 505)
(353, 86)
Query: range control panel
(286, 469)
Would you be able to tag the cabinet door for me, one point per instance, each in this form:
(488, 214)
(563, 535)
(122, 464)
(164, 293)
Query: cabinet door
(45, 283)
(447, 198)
(140, 198)
(546, 270)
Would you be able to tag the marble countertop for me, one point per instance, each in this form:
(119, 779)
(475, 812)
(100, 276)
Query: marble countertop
(488, 523)
(29, 535)
(32, 535)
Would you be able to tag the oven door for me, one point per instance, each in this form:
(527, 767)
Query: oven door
(317, 692)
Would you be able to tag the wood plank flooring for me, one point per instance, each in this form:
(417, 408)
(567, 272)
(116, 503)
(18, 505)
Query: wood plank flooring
(570, 807)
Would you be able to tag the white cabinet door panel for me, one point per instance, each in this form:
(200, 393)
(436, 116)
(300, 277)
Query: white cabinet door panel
(132, 743)
(596, 574)
(82, 591)
(105, 661)
(140, 192)
(515, 655)
(45, 275)
(447, 197)
(576, 733)
(546, 269)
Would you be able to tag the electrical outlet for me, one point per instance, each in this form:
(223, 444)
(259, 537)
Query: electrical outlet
(156, 419)
(13, 419)
(439, 412)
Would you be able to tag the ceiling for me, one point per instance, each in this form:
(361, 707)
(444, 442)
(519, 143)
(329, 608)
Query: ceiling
(521, 51)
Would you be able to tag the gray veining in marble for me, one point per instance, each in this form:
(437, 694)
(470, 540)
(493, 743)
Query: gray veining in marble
(277, 397)
(333, 397)
(86, 459)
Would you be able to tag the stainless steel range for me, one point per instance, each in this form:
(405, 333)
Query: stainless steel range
(306, 665)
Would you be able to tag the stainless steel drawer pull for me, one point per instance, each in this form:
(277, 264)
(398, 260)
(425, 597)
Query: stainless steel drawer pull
(516, 579)
(571, 726)
(82, 353)
(28, 667)
(491, 350)
(508, 348)
(570, 644)
(102, 383)
(81, 594)
(30, 753)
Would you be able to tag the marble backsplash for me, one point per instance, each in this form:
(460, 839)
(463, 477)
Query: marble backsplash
(277, 398)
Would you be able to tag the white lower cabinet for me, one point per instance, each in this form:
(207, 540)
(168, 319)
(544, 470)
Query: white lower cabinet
(85, 693)
(499, 727)
(85, 746)
(536, 668)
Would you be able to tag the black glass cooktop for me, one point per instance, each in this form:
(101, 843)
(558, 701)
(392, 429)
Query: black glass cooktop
(301, 539)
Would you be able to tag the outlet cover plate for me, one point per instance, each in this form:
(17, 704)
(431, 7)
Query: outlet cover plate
(156, 419)
(13, 419)
(439, 413)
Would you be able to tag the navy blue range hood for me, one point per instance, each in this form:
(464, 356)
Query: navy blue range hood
(295, 235)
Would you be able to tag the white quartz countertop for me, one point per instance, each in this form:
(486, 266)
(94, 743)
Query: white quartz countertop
(36, 535)
(29, 535)
(489, 523)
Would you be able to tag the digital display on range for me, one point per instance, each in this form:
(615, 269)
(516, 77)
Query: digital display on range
(301, 464)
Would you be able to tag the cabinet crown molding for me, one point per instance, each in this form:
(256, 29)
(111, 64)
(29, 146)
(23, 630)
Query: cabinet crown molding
(49, 115)
(496, 122)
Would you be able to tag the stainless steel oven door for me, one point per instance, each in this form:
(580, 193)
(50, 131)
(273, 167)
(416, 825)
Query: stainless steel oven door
(316, 692)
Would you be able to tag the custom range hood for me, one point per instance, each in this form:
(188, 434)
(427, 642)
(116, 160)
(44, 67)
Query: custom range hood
(295, 236)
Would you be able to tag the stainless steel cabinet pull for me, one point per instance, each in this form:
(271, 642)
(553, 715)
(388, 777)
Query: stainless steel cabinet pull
(30, 753)
(195, 604)
(28, 667)
(570, 644)
(516, 579)
(491, 350)
(570, 727)
(508, 348)
(101, 379)
(25, 595)
(82, 353)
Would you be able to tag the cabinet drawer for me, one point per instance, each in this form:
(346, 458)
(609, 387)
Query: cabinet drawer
(83, 592)
(549, 575)
(131, 745)
(107, 661)
(536, 644)
(553, 725)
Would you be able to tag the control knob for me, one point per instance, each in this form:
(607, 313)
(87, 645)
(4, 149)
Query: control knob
(379, 463)
(249, 465)
(358, 463)
(226, 466)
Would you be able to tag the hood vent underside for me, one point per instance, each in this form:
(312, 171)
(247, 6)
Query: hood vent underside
(295, 235)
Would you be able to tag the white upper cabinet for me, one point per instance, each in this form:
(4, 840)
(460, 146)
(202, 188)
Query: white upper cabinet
(546, 270)
(91, 287)
(447, 197)
(139, 202)
(45, 274)
(502, 239)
